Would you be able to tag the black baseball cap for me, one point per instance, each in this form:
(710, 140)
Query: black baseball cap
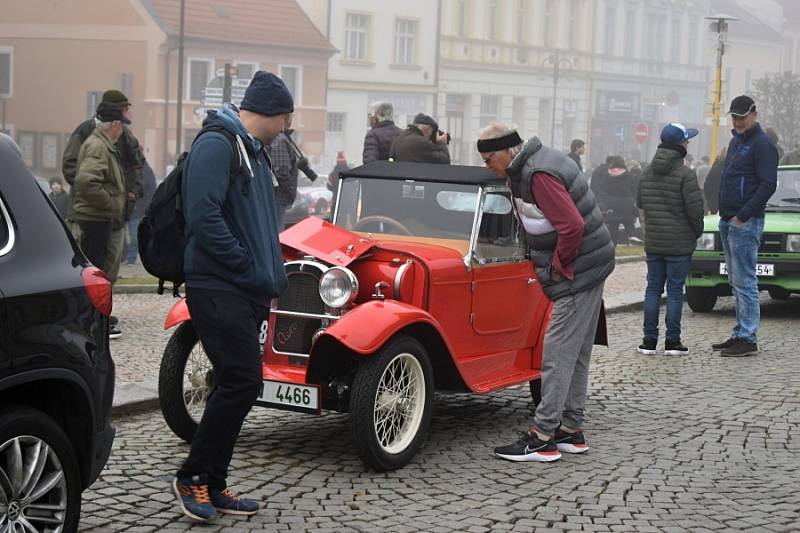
(742, 106)
(107, 112)
(422, 118)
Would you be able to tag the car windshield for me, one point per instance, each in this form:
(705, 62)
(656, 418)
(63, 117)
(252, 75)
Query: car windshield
(408, 207)
(787, 193)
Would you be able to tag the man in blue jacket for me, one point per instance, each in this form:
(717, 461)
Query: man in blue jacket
(748, 180)
(233, 266)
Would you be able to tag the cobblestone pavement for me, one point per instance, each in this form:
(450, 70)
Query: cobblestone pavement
(694, 443)
(137, 353)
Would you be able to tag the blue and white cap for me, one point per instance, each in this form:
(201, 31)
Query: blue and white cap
(676, 133)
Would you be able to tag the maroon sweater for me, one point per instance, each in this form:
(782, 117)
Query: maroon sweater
(557, 206)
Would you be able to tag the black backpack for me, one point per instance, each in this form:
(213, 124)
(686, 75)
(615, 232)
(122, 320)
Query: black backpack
(161, 232)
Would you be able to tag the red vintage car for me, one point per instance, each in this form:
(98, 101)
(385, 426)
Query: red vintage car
(422, 283)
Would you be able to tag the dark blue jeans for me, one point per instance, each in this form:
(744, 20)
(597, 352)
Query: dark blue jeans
(672, 270)
(740, 243)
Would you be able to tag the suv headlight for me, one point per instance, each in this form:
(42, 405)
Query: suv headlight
(338, 287)
(705, 242)
(793, 243)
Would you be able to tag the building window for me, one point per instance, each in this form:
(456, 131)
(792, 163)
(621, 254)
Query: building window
(6, 71)
(611, 29)
(492, 34)
(292, 76)
(245, 70)
(675, 41)
(405, 38)
(489, 109)
(549, 22)
(125, 84)
(630, 33)
(462, 18)
(48, 155)
(356, 37)
(27, 145)
(334, 122)
(200, 73)
(572, 23)
(522, 20)
(518, 112)
(92, 99)
(693, 42)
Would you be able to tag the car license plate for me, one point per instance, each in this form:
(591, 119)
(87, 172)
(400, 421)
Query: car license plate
(762, 269)
(289, 396)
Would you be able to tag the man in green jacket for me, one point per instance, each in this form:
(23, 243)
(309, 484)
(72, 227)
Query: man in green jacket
(99, 187)
(672, 202)
(131, 161)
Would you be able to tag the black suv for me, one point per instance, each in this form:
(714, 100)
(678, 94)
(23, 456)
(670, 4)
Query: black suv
(56, 371)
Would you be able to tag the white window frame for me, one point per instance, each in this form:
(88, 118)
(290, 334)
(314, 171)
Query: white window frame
(413, 37)
(366, 31)
(255, 65)
(188, 77)
(342, 120)
(10, 51)
(298, 94)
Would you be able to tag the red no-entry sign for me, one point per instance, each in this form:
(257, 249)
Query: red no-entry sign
(640, 133)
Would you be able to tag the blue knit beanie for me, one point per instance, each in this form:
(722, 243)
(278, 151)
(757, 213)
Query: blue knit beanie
(267, 95)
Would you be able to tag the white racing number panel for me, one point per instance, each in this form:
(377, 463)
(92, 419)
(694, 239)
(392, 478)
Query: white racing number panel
(762, 269)
(290, 397)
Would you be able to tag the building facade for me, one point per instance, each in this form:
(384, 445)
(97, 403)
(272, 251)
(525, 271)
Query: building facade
(385, 52)
(62, 55)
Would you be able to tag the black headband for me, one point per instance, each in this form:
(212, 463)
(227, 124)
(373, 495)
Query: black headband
(509, 140)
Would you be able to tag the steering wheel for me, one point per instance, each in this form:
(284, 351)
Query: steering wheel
(359, 226)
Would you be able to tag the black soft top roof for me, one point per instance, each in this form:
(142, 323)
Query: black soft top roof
(404, 170)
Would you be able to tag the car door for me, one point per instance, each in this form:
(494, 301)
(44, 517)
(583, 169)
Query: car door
(505, 294)
(6, 243)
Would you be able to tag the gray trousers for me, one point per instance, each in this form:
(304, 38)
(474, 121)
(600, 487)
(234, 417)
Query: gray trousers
(565, 360)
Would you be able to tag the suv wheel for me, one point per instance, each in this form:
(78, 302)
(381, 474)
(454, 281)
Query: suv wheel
(391, 403)
(701, 300)
(184, 382)
(40, 487)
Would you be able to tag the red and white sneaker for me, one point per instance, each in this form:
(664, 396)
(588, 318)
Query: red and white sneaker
(570, 442)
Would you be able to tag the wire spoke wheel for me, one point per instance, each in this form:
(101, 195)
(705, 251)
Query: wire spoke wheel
(197, 382)
(391, 403)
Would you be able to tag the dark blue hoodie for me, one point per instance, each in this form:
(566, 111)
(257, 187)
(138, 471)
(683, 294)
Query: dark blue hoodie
(231, 225)
(750, 175)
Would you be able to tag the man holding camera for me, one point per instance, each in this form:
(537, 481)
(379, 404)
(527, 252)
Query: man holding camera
(422, 142)
(286, 160)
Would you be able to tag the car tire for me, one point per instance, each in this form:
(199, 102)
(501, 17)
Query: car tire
(184, 382)
(536, 392)
(701, 300)
(24, 434)
(379, 445)
(779, 294)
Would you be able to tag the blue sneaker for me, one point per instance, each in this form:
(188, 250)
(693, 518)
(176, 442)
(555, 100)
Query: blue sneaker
(192, 493)
(226, 502)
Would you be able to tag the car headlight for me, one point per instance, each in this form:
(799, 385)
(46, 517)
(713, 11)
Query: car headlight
(338, 287)
(793, 243)
(705, 242)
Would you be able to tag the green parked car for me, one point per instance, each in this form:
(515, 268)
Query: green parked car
(778, 267)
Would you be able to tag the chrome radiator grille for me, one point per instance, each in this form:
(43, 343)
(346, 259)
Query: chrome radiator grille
(298, 312)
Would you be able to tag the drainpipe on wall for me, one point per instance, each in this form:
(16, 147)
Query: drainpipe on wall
(166, 159)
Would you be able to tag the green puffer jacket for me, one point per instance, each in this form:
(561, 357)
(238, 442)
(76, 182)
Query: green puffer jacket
(672, 203)
(99, 182)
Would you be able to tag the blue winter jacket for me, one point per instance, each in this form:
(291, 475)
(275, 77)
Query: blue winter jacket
(231, 224)
(750, 175)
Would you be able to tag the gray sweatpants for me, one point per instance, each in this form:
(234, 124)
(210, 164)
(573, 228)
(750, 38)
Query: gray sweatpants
(565, 360)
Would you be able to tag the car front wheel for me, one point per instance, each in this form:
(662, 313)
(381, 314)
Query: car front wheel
(184, 382)
(701, 300)
(391, 404)
(40, 486)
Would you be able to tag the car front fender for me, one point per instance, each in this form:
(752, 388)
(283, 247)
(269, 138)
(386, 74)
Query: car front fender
(179, 313)
(367, 327)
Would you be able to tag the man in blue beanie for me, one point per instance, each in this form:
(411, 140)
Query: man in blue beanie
(233, 266)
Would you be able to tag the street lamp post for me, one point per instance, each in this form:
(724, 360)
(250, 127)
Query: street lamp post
(180, 81)
(719, 24)
(556, 60)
